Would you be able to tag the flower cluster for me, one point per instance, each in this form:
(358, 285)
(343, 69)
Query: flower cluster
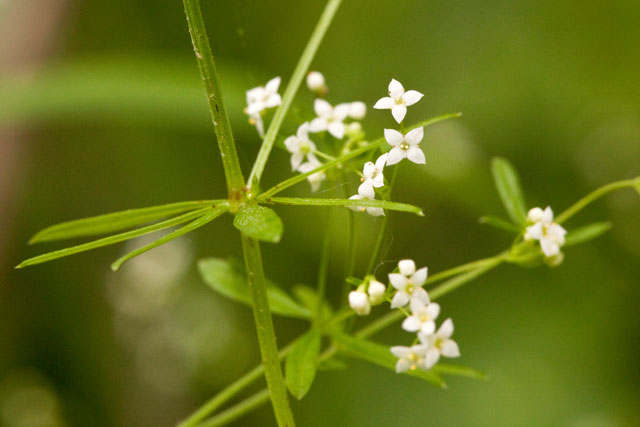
(406, 288)
(260, 99)
(551, 235)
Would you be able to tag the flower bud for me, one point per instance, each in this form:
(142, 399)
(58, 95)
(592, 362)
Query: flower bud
(376, 292)
(357, 110)
(359, 302)
(316, 84)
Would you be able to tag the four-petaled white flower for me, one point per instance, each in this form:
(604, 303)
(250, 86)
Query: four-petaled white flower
(376, 292)
(373, 177)
(259, 99)
(405, 146)
(329, 118)
(550, 234)
(373, 211)
(410, 358)
(422, 317)
(359, 301)
(315, 179)
(300, 146)
(439, 344)
(398, 100)
(408, 284)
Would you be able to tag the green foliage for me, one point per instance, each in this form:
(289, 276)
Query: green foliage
(506, 180)
(227, 278)
(460, 371)
(393, 206)
(259, 223)
(302, 363)
(498, 223)
(586, 233)
(309, 298)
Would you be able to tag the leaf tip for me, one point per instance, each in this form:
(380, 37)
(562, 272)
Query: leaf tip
(420, 213)
(115, 266)
(20, 266)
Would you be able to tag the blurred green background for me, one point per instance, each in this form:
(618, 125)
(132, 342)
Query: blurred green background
(101, 109)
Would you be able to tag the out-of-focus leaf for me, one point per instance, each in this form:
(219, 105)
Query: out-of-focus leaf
(199, 222)
(309, 298)
(353, 281)
(498, 223)
(113, 239)
(332, 364)
(116, 221)
(302, 363)
(506, 180)
(380, 355)
(259, 223)
(586, 233)
(226, 278)
(459, 370)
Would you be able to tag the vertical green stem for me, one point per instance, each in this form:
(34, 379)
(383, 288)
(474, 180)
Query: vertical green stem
(266, 333)
(323, 270)
(383, 228)
(204, 57)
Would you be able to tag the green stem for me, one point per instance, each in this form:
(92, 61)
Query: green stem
(394, 206)
(465, 267)
(383, 228)
(204, 57)
(238, 410)
(323, 271)
(266, 333)
(594, 195)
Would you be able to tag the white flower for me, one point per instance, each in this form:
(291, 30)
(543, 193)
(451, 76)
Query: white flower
(376, 292)
(408, 284)
(439, 344)
(550, 234)
(410, 358)
(315, 83)
(259, 99)
(315, 179)
(422, 317)
(405, 146)
(359, 301)
(369, 209)
(398, 100)
(373, 177)
(300, 146)
(329, 118)
(357, 110)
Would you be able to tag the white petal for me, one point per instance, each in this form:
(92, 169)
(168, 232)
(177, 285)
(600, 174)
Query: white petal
(395, 89)
(384, 103)
(400, 299)
(395, 156)
(336, 129)
(398, 111)
(450, 348)
(322, 108)
(398, 281)
(549, 248)
(411, 324)
(303, 131)
(375, 211)
(428, 327)
(547, 216)
(421, 295)
(356, 197)
(417, 306)
(366, 190)
(393, 137)
(416, 155)
(296, 160)
(378, 181)
(357, 110)
(318, 125)
(255, 108)
(382, 160)
(368, 170)
(402, 365)
(410, 97)
(427, 340)
(535, 231)
(407, 267)
(273, 101)
(273, 85)
(419, 277)
(293, 144)
(446, 329)
(433, 310)
(414, 136)
(400, 351)
(341, 112)
(433, 355)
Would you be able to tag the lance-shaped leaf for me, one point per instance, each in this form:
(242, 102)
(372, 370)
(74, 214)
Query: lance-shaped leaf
(228, 279)
(498, 223)
(460, 371)
(259, 223)
(114, 239)
(199, 222)
(506, 180)
(302, 363)
(380, 355)
(393, 206)
(586, 233)
(103, 224)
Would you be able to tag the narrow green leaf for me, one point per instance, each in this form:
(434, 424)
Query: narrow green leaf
(586, 233)
(498, 223)
(459, 370)
(259, 223)
(309, 298)
(113, 239)
(228, 279)
(302, 363)
(402, 207)
(380, 355)
(353, 281)
(506, 180)
(116, 221)
(199, 222)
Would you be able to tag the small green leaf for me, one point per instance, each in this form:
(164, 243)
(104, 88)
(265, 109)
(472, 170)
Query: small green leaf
(506, 180)
(381, 355)
(113, 239)
(302, 363)
(259, 223)
(586, 233)
(353, 281)
(228, 279)
(459, 370)
(498, 223)
(199, 222)
(393, 206)
(116, 221)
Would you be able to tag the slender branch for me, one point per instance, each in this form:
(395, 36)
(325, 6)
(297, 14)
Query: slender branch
(594, 195)
(383, 228)
(323, 271)
(238, 410)
(290, 92)
(465, 267)
(402, 207)
(204, 57)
